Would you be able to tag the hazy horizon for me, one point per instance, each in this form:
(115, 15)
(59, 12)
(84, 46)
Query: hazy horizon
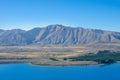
(62, 25)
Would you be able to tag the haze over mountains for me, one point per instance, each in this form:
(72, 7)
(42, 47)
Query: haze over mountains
(57, 35)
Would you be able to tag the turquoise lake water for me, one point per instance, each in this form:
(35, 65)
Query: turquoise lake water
(31, 72)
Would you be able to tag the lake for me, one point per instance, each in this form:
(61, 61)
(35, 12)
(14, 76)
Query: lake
(32, 72)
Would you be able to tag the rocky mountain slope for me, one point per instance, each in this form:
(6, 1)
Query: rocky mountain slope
(57, 35)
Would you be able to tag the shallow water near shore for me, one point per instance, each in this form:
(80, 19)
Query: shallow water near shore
(23, 71)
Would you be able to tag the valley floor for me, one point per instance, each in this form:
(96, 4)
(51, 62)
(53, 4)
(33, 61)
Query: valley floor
(101, 57)
(59, 55)
(37, 59)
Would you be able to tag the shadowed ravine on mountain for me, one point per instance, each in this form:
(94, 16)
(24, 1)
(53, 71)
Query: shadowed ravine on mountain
(57, 35)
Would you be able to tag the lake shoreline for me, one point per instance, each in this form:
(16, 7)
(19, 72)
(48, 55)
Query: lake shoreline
(55, 59)
(78, 63)
(67, 63)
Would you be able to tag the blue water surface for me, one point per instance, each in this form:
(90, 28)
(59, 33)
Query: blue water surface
(32, 72)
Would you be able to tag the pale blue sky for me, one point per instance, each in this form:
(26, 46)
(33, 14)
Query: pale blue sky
(27, 14)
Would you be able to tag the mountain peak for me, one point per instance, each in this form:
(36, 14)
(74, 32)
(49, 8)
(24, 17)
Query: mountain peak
(56, 26)
(57, 35)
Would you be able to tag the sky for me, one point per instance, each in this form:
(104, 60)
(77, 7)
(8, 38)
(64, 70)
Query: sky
(27, 14)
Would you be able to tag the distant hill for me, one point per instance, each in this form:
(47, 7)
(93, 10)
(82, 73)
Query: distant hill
(57, 35)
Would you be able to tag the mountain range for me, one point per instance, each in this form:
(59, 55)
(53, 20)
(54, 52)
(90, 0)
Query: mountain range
(57, 35)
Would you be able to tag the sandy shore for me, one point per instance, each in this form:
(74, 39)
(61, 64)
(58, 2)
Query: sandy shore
(50, 63)
(73, 63)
